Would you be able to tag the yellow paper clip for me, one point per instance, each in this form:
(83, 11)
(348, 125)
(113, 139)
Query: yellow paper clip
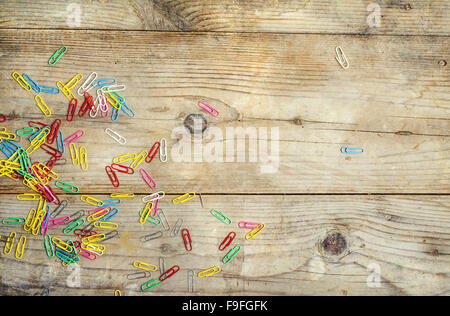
(9, 136)
(98, 215)
(255, 231)
(94, 247)
(9, 243)
(21, 247)
(21, 81)
(74, 81)
(69, 95)
(61, 244)
(124, 158)
(91, 200)
(146, 213)
(209, 272)
(183, 198)
(122, 195)
(139, 159)
(83, 158)
(42, 106)
(117, 293)
(30, 220)
(74, 155)
(92, 239)
(106, 225)
(144, 266)
(28, 197)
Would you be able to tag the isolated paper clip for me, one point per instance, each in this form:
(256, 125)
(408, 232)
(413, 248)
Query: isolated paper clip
(187, 239)
(152, 236)
(147, 178)
(208, 108)
(183, 198)
(221, 216)
(42, 106)
(21, 81)
(341, 59)
(247, 225)
(74, 137)
(3, 118)
(227, 241)
(116, 136)
(209, 272)
(176, 227)
(57, 55)
(144, 266)
(72, 109)
(20, 248)
(254, 232)
(13, 221)
(9, 244)
(112, 176)
(67, 187)
(352, 150)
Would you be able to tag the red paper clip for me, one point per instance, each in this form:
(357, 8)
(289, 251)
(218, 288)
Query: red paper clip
(54, 131)
(3, 118)
(187, 239)
(84, 232)
(51, 150)
(72, 109)
(169, 273)
(88, 104)
(227, 241)
(152, 153)
(37, 124)
(122, 168)
(112, 176)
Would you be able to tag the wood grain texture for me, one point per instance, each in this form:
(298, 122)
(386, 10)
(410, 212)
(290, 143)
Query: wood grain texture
(419, 17)
(407, 236)
(291, 82)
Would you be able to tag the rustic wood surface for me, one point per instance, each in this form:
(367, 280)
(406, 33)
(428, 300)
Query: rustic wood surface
(262, 64)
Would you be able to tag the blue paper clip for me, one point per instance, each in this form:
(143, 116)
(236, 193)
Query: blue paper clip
(115, 113)
(110, 215)
(125, 106)
(103, 83)
(352, 150)
(31, 82)
(111, 202)
(48, 89)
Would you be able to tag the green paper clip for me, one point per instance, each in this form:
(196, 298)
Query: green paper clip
(230, 255)
(220, 216)
(150, 284)
(72, 226)
(67, 187)
(49, 247)
(13, 221)
(57, 55)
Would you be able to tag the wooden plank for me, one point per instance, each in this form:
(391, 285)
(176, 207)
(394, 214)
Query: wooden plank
(271, 81)
(407, 237)
(421, 17)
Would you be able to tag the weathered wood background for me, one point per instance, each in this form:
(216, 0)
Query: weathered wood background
(263, 64)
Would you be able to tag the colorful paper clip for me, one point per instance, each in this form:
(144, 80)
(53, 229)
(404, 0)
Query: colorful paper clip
(74, 155)
(13, 221)
(209, 272)
(74, 137)
(351, 150)
(150, 284)
(153, 152)
(88, 84)
(42, 106)
(153, 197)
(144, 266)
(106, 225)
(49, 247)
(146, 213)
(72, 226)
(91, 200)
(3, 118)
(67, 187)
(231, 254)
(32, 83)
(57, 55)
(116, 136)
(147, 178)
(208, 108)
(169, 273)
(247, 225)
(47, 89)
(83, 158)
(74, 81)
(254, 232)
(21, 81)
(163, 150)
(20, 248)
(122, 168)
(187, 239)
(183, 198)
(227, 241)
(112, 176)
(220, 216)
(72, 109)
(139, 159)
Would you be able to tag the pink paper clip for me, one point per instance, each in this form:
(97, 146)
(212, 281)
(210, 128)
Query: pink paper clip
(99, 209)
(147, 178)
(154, 211)
(248, 225)
(58, 221)
(74, 137)
(208, 108)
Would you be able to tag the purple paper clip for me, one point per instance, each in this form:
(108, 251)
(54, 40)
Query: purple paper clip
(208, 108)
(74, 137)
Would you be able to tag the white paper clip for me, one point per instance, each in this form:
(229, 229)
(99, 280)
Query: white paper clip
(117, 137)
(163, 150)
(87, 85)
(341, 59)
